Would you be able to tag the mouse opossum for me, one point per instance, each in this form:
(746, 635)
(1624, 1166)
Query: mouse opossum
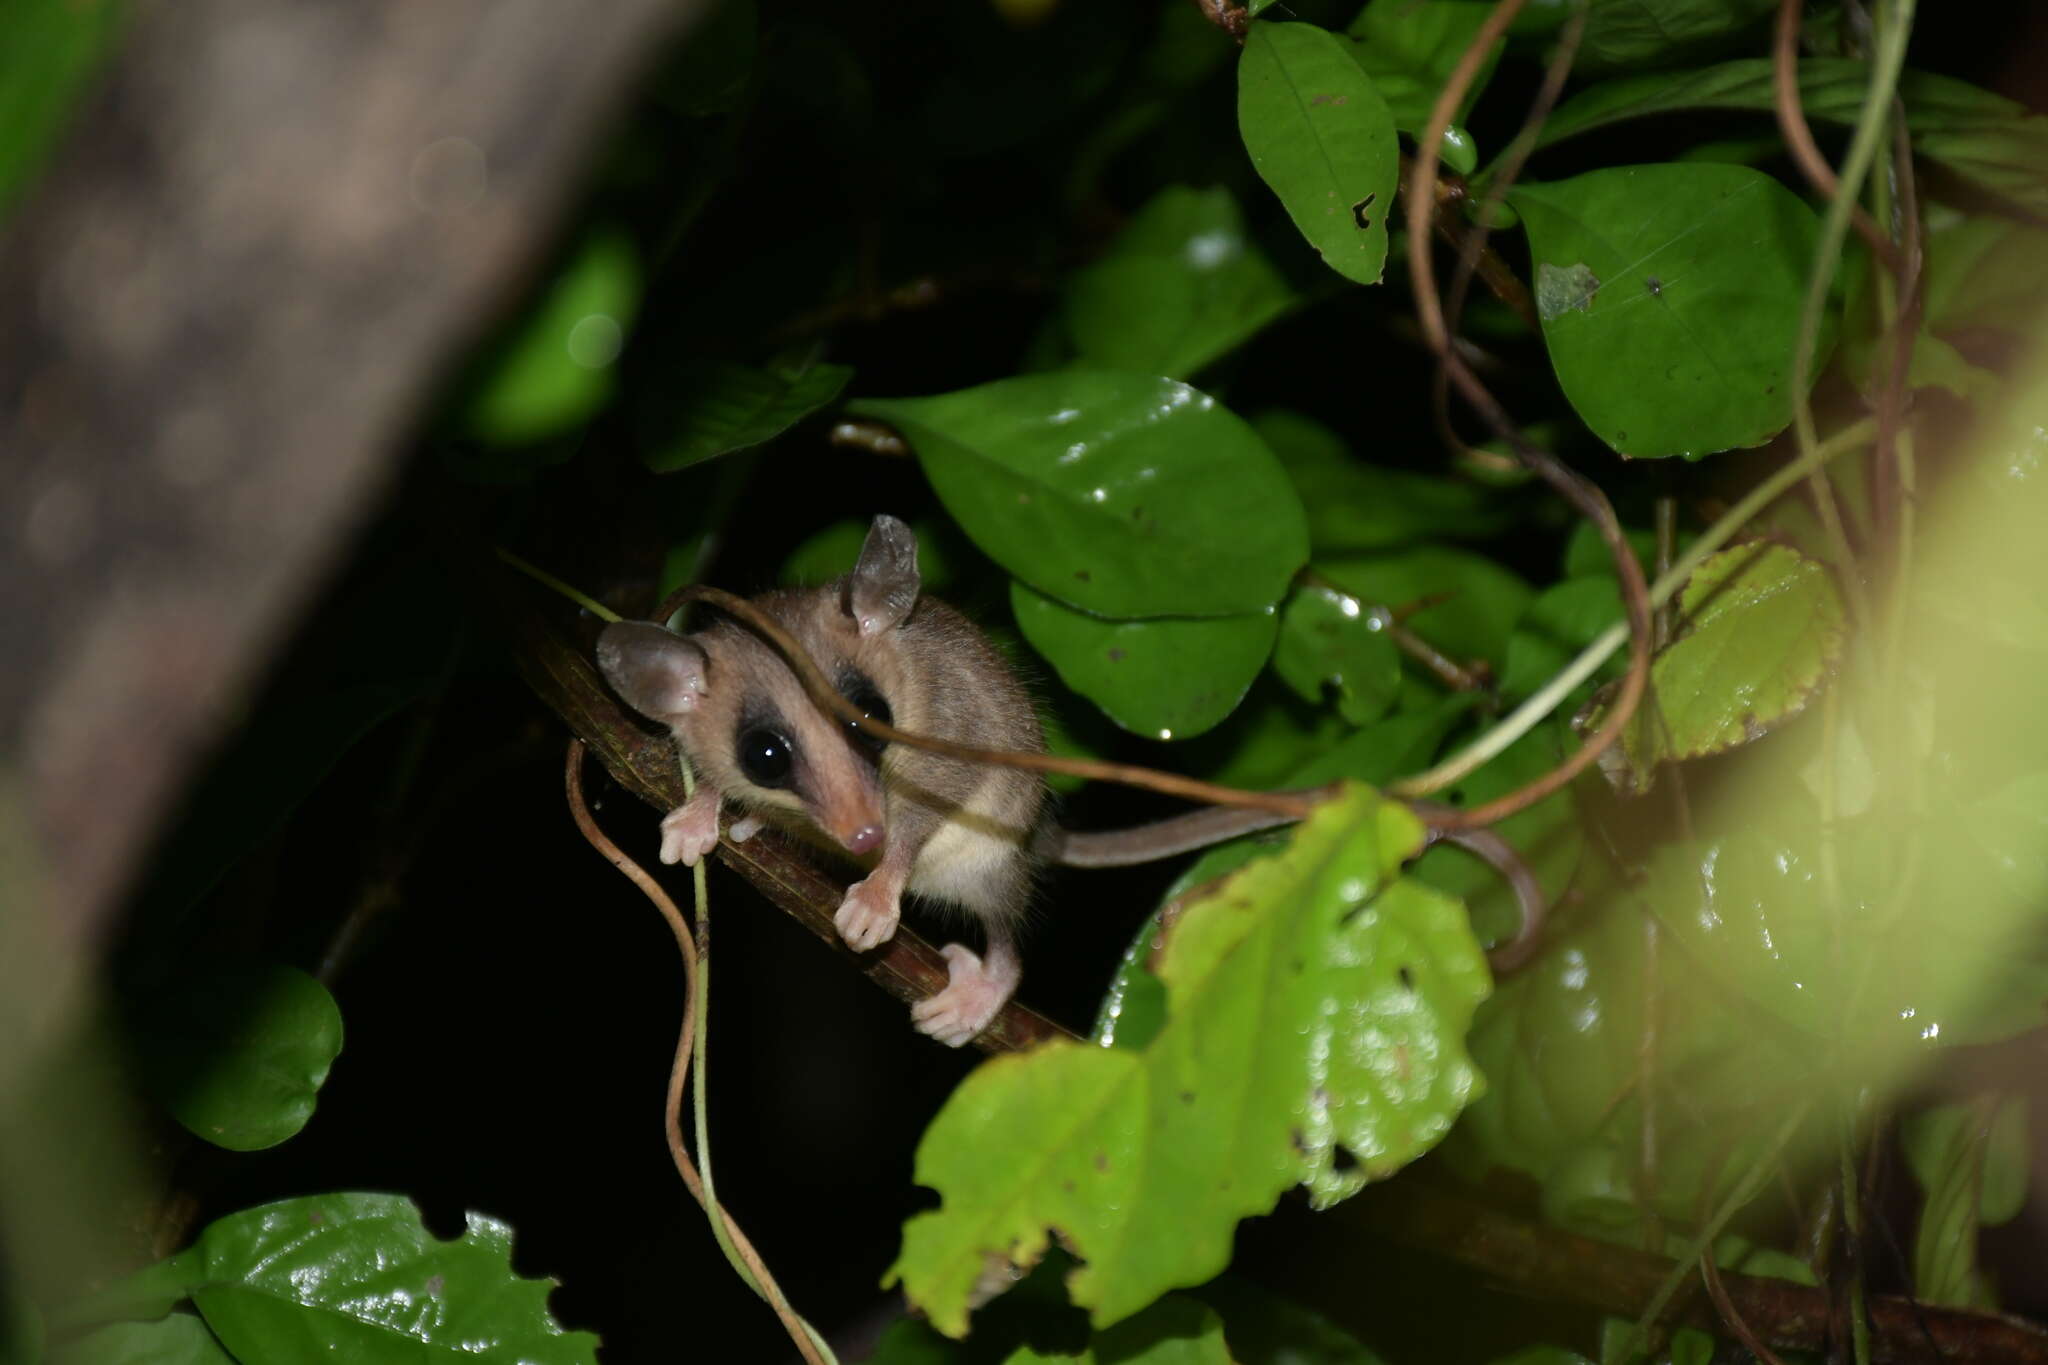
(960, 832)
(957, 832)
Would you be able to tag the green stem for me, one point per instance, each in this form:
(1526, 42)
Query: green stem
(542, 576)
(1525, 717)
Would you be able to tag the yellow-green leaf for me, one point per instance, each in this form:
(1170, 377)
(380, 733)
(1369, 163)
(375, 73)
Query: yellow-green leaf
(1316, 1013)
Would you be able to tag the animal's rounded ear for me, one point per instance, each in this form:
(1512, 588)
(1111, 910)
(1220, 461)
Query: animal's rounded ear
(883, 586)
(658, 673)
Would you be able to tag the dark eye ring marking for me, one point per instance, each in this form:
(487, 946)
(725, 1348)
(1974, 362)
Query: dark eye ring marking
(860, 689)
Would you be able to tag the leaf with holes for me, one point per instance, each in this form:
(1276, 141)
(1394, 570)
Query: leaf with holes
(1167, 678)
(1669, 297)
(357, 1279)
(1323, 139)
(1316, 1010)
(1125, 495)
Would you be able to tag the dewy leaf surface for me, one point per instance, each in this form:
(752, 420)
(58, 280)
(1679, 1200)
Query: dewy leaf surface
(238, 1055)
(1167, 678)
(1317, 1003)
(1323, 139)
(1669, 297)
(357, 1279)
(1329, 640)
(1181, 285)
(1125, 495)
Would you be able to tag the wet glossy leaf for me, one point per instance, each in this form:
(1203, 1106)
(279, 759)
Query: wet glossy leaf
(1317, 1003)
(1472, 602)
(357, 1279)
(1928, 966)
(556, 368)
(1354, 505)
(1322, 138)
(238, 1055)
(52, 50)
(1332, 644)
(1971, 1162)
(1121, 494)
(177, 1339)
(1166, 678)
(1670, 299)
(1177, 1330)
(723, 408)
(1759, 629)
(1987, 141)
(1409, 49)
(1636, 33)
(1181, 285)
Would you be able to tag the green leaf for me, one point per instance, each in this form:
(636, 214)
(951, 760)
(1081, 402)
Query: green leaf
(1329, 640)
(1409, 49)
(178, 1339)
(1354, 506)
(1759, 629)
(1322, 138)
(1124, 495)
(53, 48)
(358, 1280)
(1317, 1003)
(238, 1055)
(1480, 601)
(1669, 297)
(1180, 286)
(724, 408)
(1563, 620)
(556, 368)
(1177, 1330)
(1986, 141)
(1971, 1160)
(1638, 33)
(1166, 678)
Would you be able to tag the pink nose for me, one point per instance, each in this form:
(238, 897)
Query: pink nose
(866, 839)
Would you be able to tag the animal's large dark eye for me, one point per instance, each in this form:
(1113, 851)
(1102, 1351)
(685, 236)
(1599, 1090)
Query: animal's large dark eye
(862, 693)
(764, 757)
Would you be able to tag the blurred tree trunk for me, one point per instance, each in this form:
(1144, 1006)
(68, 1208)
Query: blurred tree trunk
(267, 233)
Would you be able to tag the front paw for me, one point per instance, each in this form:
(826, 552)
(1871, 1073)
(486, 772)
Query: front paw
(690, 830)
(973, 996)
(868, 915)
